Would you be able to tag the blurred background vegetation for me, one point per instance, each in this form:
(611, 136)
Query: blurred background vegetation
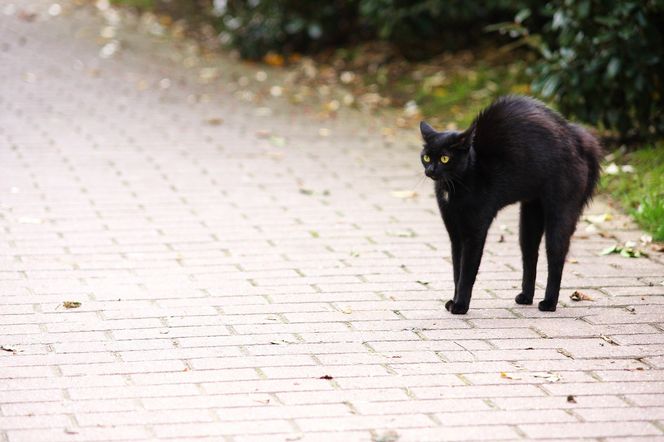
(600, 62)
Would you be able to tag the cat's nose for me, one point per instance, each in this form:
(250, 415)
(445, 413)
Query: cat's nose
(429, 172)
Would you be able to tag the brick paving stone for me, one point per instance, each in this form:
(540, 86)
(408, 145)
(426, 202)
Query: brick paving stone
(238, 288)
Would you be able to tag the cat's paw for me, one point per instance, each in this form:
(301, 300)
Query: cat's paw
(456, 309)
(523, 299)
(545, 306)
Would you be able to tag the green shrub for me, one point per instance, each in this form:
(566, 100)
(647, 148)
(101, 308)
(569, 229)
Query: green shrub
(419, 28)
(256, 27)
(422, 28)
(603, 62)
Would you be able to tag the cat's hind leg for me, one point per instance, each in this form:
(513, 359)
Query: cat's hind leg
(531, 227)
(559, 228)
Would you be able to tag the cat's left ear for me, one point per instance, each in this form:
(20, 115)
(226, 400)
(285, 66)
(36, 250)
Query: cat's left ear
(426, 130)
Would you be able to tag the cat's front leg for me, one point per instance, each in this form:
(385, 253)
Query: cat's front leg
(471, 255)
(456, 261)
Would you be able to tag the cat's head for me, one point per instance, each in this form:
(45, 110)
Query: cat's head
(445, 154)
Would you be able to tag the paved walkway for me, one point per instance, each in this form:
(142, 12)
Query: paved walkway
(242, 277)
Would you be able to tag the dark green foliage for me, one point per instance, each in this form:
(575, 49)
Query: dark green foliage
(421, 28)
(256, 27)
(603, 62)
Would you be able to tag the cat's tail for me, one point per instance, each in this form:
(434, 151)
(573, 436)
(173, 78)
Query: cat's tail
(591, 151)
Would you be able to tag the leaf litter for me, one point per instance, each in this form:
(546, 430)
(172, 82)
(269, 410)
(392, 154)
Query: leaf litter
(627, 250)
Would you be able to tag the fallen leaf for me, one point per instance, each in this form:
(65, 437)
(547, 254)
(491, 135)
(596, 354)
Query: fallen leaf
(388, 436)
(7, 349)
(658, 247)
(501, 238)
(564, 352)
(609, 339)
(401, 233)
(424, 283)
(510, 376)
(327, 377)
(305, 191)
(571, 399)
(404, 194)
(277, 141)
(347, 310)
(71, 304)
(548, 376)
(580, 296)
(26, 16)
(314, 234)
(215, 121)
(609, 250)
(598, 219)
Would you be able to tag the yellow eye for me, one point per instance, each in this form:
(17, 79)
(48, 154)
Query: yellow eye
(426, 158)
(444, 159)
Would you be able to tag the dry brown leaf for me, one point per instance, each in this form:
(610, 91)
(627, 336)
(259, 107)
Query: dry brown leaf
(609, 339)
(71, 304)
(215, 121)
(580, 296)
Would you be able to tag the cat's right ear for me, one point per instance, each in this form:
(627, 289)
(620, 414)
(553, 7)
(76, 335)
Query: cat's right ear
(426, 130)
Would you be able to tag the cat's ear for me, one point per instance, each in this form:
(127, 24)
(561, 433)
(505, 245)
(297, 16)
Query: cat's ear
(464, 140)
(426, 130)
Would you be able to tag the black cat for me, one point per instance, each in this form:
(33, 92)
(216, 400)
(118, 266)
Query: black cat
(516, 150)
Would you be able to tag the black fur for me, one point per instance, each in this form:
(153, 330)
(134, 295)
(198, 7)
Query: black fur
(516, 150)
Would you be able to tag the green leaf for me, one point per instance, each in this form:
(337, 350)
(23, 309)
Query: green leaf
(610, 250)
(522, 15)
(613, 67)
